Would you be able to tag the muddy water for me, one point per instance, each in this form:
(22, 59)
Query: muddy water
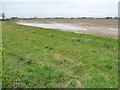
(111, 32)
(66, 27)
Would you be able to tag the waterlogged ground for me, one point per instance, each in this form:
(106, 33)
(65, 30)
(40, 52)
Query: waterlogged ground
(34, 57)
(59, 26)
(101, 27)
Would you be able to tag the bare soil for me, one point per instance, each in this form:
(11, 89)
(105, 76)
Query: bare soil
(102, 27)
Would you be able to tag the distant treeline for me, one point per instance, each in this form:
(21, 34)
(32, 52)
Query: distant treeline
(16, 18)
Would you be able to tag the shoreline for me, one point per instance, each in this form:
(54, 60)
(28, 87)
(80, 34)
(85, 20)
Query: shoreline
(79, 26)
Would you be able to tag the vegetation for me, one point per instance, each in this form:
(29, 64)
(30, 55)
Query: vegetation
(44, 58)
(0, 55)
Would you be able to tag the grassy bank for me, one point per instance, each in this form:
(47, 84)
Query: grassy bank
(37, 57)
(0, 54)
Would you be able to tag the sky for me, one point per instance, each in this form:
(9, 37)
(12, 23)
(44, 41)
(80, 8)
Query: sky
(59, 8)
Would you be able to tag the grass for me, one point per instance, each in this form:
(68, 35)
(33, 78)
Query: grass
(0, 54)
(45, 58)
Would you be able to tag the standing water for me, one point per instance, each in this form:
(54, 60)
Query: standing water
(54, 26)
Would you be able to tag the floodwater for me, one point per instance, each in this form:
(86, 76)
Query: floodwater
(54, 26)
(73, 27)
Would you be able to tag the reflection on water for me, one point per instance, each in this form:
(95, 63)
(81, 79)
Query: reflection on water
(54, 26)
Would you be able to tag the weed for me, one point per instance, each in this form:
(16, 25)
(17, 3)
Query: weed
(59, 62)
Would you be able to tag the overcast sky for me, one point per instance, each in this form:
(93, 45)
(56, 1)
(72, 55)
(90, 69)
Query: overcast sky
(60, 8)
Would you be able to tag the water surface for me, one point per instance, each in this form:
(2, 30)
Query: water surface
(54, 26)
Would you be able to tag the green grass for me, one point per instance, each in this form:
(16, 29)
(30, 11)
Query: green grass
(0, 54)
(45, 58)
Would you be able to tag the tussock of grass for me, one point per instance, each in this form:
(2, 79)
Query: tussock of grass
(42, 58)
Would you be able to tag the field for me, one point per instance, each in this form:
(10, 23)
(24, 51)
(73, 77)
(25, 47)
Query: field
(101, 27)
(45, 58)
(0, 54)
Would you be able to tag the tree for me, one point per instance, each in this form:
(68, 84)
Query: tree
(13, 18)
(3, 16)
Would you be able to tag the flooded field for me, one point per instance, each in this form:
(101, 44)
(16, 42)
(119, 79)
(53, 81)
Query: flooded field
(55, 26)
(102, 27)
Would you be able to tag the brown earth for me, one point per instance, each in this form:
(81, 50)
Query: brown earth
(102, 27)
